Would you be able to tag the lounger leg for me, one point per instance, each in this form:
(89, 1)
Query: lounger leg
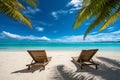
(81, 66)
(43, 67)
(96, 66)
(29, 67)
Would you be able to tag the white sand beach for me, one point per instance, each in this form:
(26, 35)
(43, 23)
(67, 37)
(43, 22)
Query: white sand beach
(13, 66)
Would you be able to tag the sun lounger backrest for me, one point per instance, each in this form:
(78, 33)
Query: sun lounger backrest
(38, 55)
(86, 55)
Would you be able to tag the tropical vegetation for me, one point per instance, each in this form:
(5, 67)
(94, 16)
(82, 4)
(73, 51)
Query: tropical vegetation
(102, 12)
(14, 9)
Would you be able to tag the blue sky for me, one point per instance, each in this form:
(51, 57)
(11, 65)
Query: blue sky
(52, 21)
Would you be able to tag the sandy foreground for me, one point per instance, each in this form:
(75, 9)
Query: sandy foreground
(61, 67)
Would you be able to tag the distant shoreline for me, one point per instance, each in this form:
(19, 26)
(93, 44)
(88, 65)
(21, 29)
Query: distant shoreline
(60, 46)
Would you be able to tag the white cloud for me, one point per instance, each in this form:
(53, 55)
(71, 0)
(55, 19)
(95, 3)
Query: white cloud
(55, 15)
(75, 3)
(41, 23)
(113, 36)
(39, 29)
(30, 10)
(93, 33)
(62, 11)
(109, 28)
(76, 6)
(116, 32)
(69, 39)
(44, 23)
(8, 35)
(74, 9)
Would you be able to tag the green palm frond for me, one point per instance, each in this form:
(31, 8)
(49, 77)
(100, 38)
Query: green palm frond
(82, 15)
(31, 2)
(89, 11)
(15, 4)
(110, 20)
(86, 2)
(98, 20)
(103, 15)
(15, 14)
(101, 10)
(13, 8)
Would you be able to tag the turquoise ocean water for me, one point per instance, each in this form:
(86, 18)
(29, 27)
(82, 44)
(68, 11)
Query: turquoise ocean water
(60, 46)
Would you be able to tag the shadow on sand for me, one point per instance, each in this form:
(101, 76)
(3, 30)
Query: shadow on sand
(32, 70)
(110, 61)
(104, 72)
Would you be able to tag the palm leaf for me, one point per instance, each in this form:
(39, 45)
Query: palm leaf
(15, 4)
(89, 11)
(15, 14)
(32, 2)
(82, 15)
(77, 22)
(86, 2)
(100, 10)
(110, 20)
(104, 14)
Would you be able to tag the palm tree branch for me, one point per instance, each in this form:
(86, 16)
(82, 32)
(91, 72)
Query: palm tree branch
(31, 2)
(15, 14)
(15, 4)
(104, 14)
(89, 11)
(110, 20)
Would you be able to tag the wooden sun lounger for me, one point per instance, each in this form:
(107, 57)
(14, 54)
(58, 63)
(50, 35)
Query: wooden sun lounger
(39, 58)
(85, 58)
